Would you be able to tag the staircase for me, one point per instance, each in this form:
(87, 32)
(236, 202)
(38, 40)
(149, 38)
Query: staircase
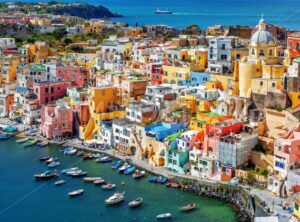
(141, 150)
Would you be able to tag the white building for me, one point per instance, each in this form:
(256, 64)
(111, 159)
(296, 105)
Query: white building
(7, 43)
(187, 140)
(219, 55)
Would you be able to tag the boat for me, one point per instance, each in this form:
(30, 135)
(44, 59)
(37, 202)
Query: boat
(86, 156)
(129, 170)
(162, 180)
(43, 144)
(91, 179)
(52, 159)
(164, 12)
(23, 140)
(99, 182)
(105, 159)
(116, 164)
(53, 164)
(172, 184)
(30, 143)
(59, 182)
(138, 174)
(124, 167)
(188, 207)
(70, 152)
(45, 176)
(108, 186)
(79, 153)
(4, 136)
(80, 174)
(71, 172)
(75, 193)
(115, 199)
(42, 159)
(153, 179)
(164, 216)
(65, 171)
(135, 203)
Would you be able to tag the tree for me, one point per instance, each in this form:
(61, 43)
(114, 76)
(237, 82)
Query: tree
(76, 48)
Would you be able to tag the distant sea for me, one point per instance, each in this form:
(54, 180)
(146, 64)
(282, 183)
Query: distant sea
(205, 12)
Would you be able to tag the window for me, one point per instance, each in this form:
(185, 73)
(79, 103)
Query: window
(211, 56)
(253, 52)
(210, 149)
(298, 46)
(291, 44)
(270, 52)
(223, 57)
(238, 56)
(46, 90)
(261, 83)
(52, 89)
(273, 84)
(223, 46)
(261, 53)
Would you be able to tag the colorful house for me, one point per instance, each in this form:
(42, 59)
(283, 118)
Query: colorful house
(174, 73)
(6, 101)
(77, 75)
(105, 103)
(49, 92)
(286, 152)
(57, 121)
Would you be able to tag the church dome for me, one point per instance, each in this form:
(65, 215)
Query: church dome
(261, 36)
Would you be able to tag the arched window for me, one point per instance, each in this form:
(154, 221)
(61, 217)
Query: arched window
(271, 52)
(253, 52)
(261, 53)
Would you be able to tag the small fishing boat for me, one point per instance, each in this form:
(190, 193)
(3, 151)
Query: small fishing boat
(42, 159)
(80, 174)
(124, 167)
(79, 153)
(45, 176)
(70, 152)
(23, 140)
(99, 182)
(108, 186)
(86, 156)
(105, 159)
(138, 174)
(53, 164)
(116, 164)
(43, 144)
(65, 171)
(30, 143)
(162, 180)
(4, 136)
(129, 170)
(163, 12)
(172, 184)
(115, 199)
(135, 203)
(59, 182)
(91, 179)
(188, 207)
(164, 216)
(72, 172)
(152, 179)
(75, 193)
(52, 159)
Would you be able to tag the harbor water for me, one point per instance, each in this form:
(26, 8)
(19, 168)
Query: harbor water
(24, 199)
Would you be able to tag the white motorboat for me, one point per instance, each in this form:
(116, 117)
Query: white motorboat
(76, 193)
(164, 216)
(135, 203)
(115, 199)
(99, 182)
(59, 182)
(108, 186)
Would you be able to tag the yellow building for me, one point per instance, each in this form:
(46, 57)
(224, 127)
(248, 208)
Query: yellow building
(188, 103)
(105, 103)
(197, 58)
(262, 62)
(174, 73)
(296, 207)
(295, 98)
(37, 51)
(264, 85)
(41, 21)
(8, 71)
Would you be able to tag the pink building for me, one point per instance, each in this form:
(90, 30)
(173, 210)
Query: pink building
(287, 152)
(77, 75)
(57, 121)
(48, 92)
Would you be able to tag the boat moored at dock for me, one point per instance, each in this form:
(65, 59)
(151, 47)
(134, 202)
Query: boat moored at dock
(45, 176)
(138, 174)
(116, 164)
(129, 170)
(30, 143)
(91, 179)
